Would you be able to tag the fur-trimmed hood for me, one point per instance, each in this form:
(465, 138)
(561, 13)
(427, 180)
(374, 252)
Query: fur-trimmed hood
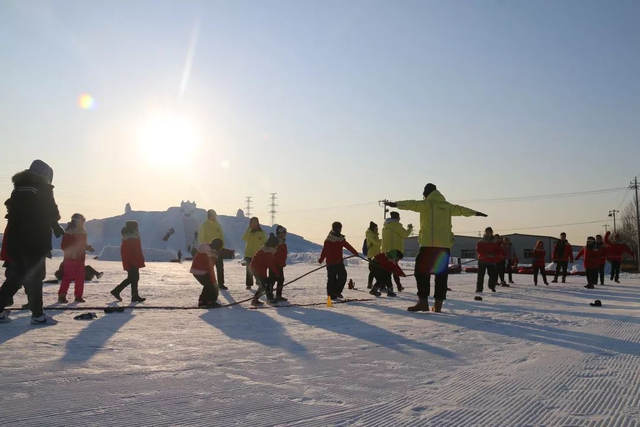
(333, 238)
(27, 178)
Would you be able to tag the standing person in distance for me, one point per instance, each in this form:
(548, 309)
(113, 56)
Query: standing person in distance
(255, 238)
(276, 276)
(132, 261)
(617, 249)
(602, 257)
(590, 254)
(489, 249)
(436, 240)
(202, 270)
(510, 257)
(332, 250)
(562, 255)
(208, 232)
(501, 262)
(372, 243)
(74, 244)
(32, 217)
(538, 257)
(393, 236)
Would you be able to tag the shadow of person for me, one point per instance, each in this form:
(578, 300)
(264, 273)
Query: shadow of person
(92, 338)
(21, 325)
(239, 323)
(344, 324)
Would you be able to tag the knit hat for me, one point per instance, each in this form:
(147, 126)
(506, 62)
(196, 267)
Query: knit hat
(372, 225)
(272, 241)
(395, 215)
(280, 229)
(428, 189)
(216, 244)
(336, 226)
(41, 168)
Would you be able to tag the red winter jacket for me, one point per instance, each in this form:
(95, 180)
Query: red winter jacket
(4, 255)
(501, 254)
(131, 253)
(262, 261)
(204, 261)
(590, 257)
(565, 256)
(332, 249)
(386, 264)
(489, 251)
(601, 254)
(280, 256)
(615, 252)
(538, 258)
(74, 245)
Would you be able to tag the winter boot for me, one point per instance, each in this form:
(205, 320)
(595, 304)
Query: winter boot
(62, 299)
(400, 287)
(437, 306)
(135, 297)
(391, 294)
(99, 275)
(223, 287)
(4, 316)
(116, 295)
(138, 298)
(256, 302)
(374, 291)
(546, 283)
(281, 298)
(79, 299)
(43, 319)
(555, 280)
(422, 305)
(590, 286)
(504, 285)
(564, 280)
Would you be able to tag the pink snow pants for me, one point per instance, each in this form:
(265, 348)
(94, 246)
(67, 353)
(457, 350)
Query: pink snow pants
(73, 270)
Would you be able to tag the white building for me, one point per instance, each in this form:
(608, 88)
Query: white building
(523, 244)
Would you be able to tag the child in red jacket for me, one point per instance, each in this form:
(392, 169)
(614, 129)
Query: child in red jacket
(334, 244)
(276, 276)
(132, 261)
(602, 257)
(262, 262)
(590, 254)
(383, 266)
(489, 251)
(538, 257)
(616, 250)
(74, 244)
(202, 270)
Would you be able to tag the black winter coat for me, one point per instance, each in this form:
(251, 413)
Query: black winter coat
(32, 215)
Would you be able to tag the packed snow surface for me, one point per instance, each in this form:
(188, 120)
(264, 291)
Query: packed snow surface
(524, 356)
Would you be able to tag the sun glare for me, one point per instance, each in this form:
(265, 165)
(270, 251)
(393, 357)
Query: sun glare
(170, 141)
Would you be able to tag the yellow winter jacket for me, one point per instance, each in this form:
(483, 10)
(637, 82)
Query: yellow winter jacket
(210, 230)
(373, 243)
(435, 219)
(254, 242)
(393, 235)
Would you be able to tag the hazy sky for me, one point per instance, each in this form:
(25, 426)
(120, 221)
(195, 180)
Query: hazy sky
(327, 103)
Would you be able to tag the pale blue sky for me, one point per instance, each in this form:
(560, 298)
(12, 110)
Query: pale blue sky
(329, 103)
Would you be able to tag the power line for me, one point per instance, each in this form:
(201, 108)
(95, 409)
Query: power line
(626, 194)
(330, 208)
(541, 226)
(543, 196)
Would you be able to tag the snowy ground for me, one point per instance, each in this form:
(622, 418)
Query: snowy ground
(525, 356)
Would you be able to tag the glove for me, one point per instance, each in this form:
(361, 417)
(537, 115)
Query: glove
(58, 231)
(410, 226)
(320, 261)
(391, 204)
(481, 214)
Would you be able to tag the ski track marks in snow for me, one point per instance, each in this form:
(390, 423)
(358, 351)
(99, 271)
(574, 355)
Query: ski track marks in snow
(525, 356)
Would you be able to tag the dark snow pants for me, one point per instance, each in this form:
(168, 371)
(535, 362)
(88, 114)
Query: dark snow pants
(592, 276)
(382, 276)
(601, 274)
(492, 271)
(336, 279)
(562, 265)
(615, 270)
(277, 279)
(501, 267)
(220, 271)
(249, 276)
(540, 270)
(29, 272)
(209, 292)
(133, 277)
(510, 270)
(432, 261)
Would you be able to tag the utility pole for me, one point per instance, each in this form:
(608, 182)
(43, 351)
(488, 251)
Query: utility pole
(272, 206)
(383, 203)
(248, 207)
(613, 214)
(634, 185)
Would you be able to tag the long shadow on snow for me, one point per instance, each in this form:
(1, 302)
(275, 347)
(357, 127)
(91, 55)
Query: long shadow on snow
(19, 326)
(92, 338)
(580, 341)
(253, 325)
(348, 325)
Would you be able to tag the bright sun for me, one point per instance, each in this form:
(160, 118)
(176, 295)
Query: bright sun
(168, 140)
